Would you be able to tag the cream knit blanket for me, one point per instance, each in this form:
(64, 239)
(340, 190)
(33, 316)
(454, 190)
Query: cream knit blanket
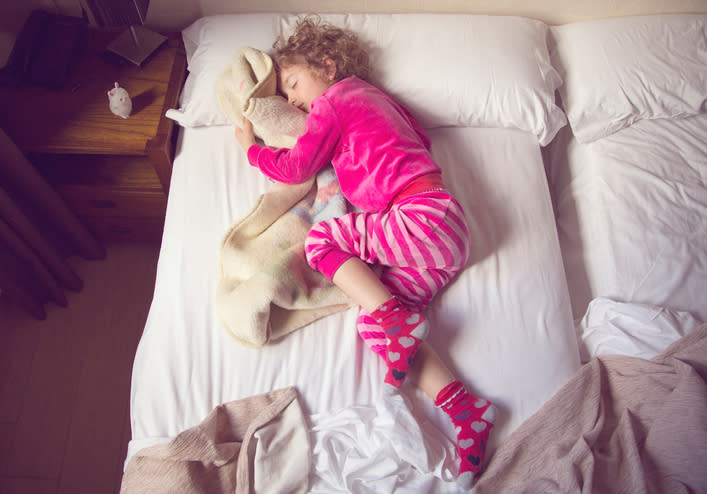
(255, 445)
(266, 288)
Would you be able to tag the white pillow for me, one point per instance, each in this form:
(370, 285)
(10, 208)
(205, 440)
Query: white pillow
(448, 70)
(462, 70)
(618, 71)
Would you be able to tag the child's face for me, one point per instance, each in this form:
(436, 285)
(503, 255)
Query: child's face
(302, 85)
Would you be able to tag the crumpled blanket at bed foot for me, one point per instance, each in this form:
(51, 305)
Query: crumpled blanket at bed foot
(257, 444)
(621, 424)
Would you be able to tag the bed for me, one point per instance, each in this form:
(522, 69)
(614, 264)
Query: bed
(506, 323)
(629, 177)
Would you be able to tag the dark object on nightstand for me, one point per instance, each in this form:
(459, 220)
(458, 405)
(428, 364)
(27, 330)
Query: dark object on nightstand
(135, 44)
(110, 58)
(45, 50)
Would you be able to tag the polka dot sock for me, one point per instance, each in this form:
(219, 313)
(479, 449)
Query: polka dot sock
(404, 331)
(473, 419)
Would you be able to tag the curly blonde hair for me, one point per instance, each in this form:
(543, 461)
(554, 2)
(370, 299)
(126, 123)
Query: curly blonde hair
(315, 41)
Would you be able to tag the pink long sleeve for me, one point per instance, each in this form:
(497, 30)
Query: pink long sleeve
(376, 147)
(313, 150)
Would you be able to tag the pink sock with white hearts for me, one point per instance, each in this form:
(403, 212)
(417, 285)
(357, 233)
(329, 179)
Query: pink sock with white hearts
(404, 331)
(473, 419)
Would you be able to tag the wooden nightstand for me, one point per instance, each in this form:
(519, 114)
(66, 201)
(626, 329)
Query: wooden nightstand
(113, 172)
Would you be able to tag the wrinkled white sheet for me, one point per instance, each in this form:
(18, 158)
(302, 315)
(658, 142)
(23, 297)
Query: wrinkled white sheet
(504, 325)
(639, 330)
(380, 449)
(631, 212)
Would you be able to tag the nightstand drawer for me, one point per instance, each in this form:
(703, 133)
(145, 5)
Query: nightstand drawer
(125, 229)
(92, 201)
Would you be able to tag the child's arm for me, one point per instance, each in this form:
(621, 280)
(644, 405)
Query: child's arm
(314, 149)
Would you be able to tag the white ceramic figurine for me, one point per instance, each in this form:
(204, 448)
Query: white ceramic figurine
(119, 100)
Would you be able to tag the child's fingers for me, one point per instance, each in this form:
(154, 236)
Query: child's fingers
(246, 129)
(244, 134)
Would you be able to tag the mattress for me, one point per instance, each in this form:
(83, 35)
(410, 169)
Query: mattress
(631, 211)
(504, 325)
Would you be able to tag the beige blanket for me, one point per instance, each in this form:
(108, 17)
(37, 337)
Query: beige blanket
(259, 444)
(266, 288)
(620, 425)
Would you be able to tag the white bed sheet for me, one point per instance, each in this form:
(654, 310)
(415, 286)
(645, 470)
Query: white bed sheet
(504, 325)
(631, 212)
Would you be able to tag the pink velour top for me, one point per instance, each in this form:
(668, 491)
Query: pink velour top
(374, 144)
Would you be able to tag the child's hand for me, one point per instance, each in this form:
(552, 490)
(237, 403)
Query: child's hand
(245, 135)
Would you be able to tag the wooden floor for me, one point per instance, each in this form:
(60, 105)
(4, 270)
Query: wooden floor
(65, 381)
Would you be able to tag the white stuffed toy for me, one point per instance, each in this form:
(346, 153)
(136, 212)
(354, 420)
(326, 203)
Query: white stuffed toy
(248, 88)
(119, 101)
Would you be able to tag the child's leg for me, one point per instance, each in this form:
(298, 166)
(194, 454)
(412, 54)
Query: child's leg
(473, 417)
(339, 247)
(404, 329)
(359, 282)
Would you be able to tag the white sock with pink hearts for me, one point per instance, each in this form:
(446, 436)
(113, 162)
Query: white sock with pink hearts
(473, 419)
(404, 331)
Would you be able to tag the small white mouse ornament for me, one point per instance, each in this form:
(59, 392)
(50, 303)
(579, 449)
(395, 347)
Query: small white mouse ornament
(119, 101)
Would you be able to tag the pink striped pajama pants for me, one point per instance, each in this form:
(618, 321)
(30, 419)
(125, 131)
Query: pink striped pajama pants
(420, 243)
